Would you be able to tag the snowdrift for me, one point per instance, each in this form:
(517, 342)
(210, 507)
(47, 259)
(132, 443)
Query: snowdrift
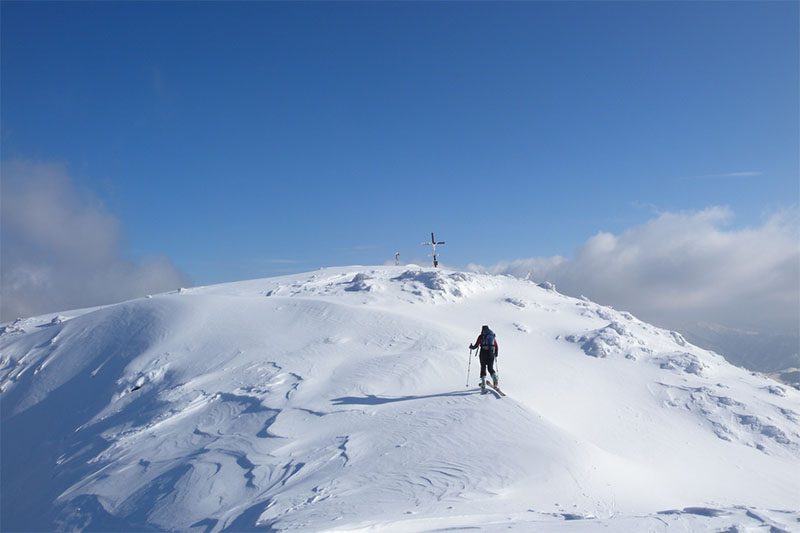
(338, 400)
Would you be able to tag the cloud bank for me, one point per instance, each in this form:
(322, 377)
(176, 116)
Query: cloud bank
(60, 249)
(684, 268)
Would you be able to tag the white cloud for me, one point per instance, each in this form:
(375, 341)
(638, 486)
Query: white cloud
(728, 175)
(682, 268)
(61, 249)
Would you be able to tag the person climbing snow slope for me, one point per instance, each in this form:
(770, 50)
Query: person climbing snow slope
(489, 351)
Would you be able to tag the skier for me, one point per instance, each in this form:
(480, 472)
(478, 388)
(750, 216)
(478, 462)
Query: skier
(489, 351)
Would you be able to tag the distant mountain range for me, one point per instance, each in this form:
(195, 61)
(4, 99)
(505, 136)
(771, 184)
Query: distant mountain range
(754, 350)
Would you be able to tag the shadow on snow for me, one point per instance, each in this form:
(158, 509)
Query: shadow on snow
(371, 399)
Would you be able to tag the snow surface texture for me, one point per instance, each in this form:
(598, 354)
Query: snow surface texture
(336, 401)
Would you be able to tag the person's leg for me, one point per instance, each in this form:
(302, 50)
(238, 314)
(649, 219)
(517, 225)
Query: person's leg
(490, 365)
(485, 361)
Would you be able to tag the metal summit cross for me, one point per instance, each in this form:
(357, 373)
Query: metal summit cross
(433, 243)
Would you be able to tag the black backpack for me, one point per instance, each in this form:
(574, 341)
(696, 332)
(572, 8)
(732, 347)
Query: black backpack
(487, 340)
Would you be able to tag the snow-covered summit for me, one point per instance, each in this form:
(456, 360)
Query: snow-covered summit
(339, 400)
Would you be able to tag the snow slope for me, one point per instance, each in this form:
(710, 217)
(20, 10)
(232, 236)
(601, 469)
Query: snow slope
(338, 401)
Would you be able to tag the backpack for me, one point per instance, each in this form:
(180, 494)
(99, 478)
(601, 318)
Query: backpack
(487, 340)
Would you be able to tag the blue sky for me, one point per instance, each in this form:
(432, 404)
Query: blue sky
(247, 139)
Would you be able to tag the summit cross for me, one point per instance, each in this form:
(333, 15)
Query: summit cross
(433, 243)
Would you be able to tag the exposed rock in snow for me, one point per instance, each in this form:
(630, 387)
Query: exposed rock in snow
(516, 302)
(613, 339)
(546, 285)
(683, 361)
(15, 327)
(360, 283)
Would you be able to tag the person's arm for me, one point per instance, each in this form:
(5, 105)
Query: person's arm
(496, 349)
(477, 343)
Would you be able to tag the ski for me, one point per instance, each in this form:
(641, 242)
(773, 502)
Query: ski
(496, 389)
(489, 385)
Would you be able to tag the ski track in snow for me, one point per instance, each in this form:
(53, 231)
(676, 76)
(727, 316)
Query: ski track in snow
(335, 401)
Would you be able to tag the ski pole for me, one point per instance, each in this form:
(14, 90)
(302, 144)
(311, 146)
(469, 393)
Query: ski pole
(469, 366)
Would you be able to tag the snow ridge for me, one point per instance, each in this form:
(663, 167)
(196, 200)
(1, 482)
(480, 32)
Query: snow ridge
(336, 400)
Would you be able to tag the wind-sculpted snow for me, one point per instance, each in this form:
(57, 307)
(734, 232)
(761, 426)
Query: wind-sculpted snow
(627, 338)
(336, 400)
(412, 285)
